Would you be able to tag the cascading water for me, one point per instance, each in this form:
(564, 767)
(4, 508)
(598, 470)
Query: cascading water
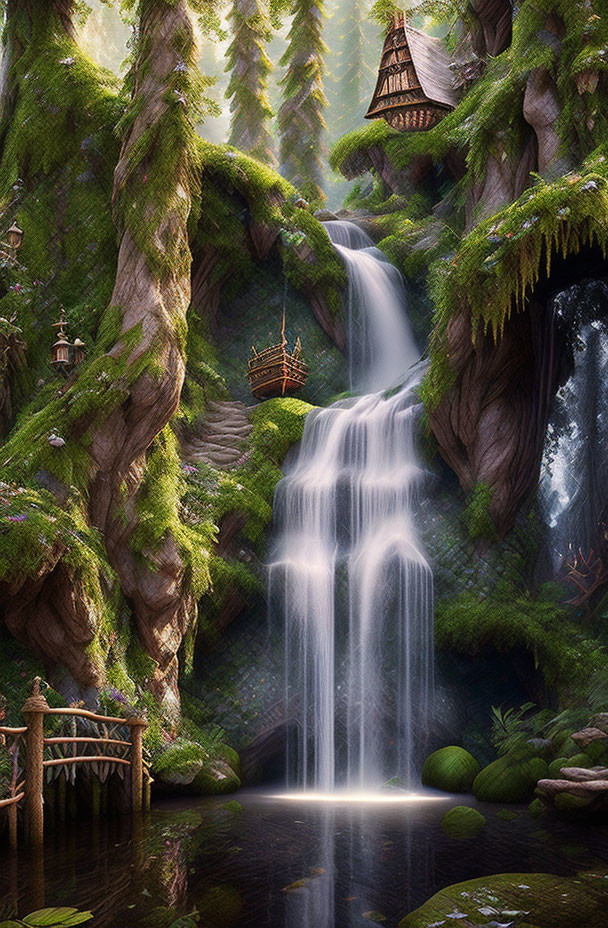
(575, 464)
(349, 576)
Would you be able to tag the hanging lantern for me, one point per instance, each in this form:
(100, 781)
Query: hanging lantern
(14, 236)
(79, 351)
(414, 88)
(62, 349)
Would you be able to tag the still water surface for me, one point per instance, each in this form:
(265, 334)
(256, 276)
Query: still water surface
(271, 863)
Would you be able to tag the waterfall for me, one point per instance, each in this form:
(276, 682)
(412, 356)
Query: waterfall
(574, 470)
(349, 577)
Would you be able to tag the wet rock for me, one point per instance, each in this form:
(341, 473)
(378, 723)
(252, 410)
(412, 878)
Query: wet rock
(587, 735)
(451, 769)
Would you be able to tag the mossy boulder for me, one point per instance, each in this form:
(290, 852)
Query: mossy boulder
(536, 808)
(579, 760)
(570, 802)
(216, 778)
(597, 752)
(511, 778)
(522, 898)
(463, 822)
(451, 769)
(230, 756)
(556, 765)
(186, 767)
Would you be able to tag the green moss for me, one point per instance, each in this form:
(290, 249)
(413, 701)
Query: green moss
(510, 778)
(536, 808)
(160, 516)
(556, 765)
(451, 769)
(579, 760)
(463, 822)
(582, 901)
(508, 620)
(477, 515)
(571, 802)
(236, 189)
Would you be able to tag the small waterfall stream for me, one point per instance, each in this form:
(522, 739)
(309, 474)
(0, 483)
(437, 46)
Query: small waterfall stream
(349, 577)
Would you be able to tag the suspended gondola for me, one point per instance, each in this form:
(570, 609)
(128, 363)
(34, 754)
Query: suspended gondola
(276, 370)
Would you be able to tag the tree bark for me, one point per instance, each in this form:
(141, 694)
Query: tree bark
(158, 301)
(50, 612)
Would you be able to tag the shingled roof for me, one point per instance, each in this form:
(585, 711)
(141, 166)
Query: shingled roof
(414, 88)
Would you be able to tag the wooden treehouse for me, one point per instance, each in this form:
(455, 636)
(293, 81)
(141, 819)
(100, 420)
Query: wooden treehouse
(414, 88)
(276, 371)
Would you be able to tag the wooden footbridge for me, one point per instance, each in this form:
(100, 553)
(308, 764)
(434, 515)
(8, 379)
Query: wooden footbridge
(111, 743)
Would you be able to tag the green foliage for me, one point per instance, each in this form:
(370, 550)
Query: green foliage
(250, 66)
(509, 620)
(477, 515)
(508, 728)
(58, 917)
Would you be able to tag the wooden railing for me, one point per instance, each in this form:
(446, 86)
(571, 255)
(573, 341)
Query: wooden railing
(16, 792)
(35, 710)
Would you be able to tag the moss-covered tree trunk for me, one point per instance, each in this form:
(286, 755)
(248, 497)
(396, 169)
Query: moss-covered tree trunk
(491, 425)
(110, 413)
(153, 200)
(25, 20)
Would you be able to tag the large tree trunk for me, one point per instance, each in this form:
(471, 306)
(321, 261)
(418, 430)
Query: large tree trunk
(50, 612)
(24, 20)
(155, 296)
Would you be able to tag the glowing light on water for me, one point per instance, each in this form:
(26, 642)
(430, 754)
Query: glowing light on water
(349, 576)
(362, 798)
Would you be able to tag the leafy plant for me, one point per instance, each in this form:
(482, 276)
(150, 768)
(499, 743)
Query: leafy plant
(509, 727)
(61, 917)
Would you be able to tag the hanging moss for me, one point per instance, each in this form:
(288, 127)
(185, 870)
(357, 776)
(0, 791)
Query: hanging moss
(500, 261)
(237, 189)
(507, 620)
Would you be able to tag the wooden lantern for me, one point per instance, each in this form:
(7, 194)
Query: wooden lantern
(61, 350)
(14, 236)
(414, 88)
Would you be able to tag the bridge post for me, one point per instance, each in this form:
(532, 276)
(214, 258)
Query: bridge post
(34, 710)
(138, 726)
